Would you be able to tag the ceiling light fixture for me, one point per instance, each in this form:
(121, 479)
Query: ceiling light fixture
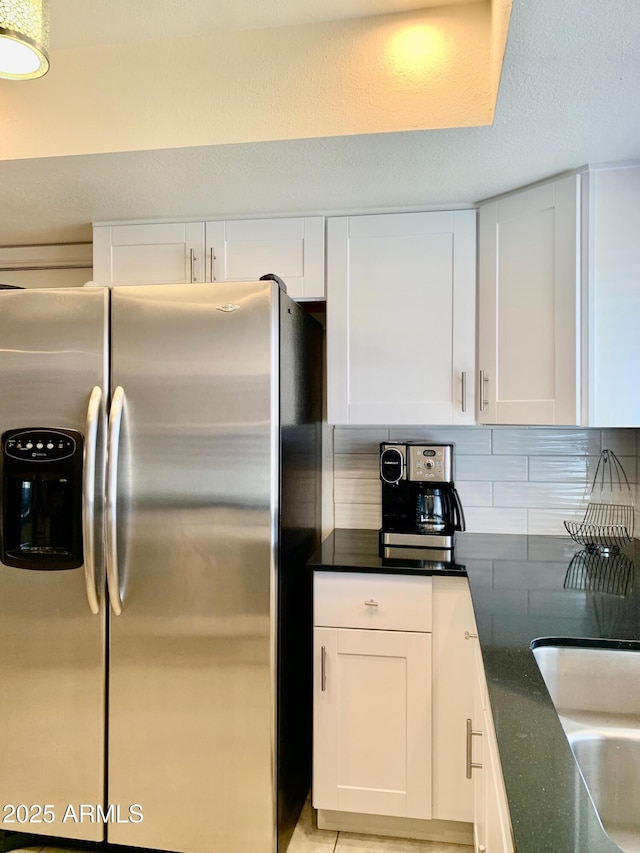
(24, 39)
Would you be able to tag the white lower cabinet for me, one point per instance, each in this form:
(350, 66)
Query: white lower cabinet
(402, 725)
(453, 694)
(372, 696)
(373, 720)
(492, 824)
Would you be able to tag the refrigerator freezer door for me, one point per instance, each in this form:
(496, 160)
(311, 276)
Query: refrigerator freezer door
(191, 685)
(52, 647)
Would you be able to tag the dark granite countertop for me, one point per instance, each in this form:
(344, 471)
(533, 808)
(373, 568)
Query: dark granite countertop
(528, 589)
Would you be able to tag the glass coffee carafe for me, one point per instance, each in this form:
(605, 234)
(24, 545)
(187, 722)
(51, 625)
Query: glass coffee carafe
(433, 513)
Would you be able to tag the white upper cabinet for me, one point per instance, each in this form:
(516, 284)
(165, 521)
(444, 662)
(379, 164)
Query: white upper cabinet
(149, 253)
(219, 250)
(401, 318)
(528, 311)
(245, 249)
(611, 289)
(559, 302)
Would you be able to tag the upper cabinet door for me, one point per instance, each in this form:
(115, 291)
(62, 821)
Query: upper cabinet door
(153, 253)
(401, 318)
(232, 250)
(293, 249)
(528, 317)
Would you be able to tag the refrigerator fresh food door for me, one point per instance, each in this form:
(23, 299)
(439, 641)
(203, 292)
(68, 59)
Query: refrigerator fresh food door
(191, 520)
(52, 643)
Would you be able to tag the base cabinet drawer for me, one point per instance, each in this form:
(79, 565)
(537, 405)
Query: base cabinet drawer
(373, 601)
(372, 722)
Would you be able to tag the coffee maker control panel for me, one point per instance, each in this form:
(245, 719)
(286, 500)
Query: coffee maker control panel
(430, 463)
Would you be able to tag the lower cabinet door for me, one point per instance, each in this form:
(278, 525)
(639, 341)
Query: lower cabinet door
(372, 722)
(498, 837)
(481, 777)
(492, 824)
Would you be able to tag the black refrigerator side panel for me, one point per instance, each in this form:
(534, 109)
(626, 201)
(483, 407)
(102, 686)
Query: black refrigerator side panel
(300, 505)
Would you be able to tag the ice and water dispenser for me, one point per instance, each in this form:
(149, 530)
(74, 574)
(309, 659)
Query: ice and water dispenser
(41, 518)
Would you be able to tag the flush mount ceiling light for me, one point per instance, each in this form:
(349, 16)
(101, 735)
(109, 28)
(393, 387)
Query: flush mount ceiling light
(24, 39)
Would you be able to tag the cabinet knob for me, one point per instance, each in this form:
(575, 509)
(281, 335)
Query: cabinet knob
(469, 636)
(371, 603)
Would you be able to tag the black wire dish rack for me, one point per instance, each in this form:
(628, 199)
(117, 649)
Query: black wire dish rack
(608, 522)
(611, 574)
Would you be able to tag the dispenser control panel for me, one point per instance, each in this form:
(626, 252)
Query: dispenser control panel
(39, 445)
(41, 498)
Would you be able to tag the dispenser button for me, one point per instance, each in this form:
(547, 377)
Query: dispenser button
(39, 445)
(28, 445)
(50, 446)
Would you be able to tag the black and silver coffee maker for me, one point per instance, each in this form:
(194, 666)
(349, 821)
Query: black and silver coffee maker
(420, 505)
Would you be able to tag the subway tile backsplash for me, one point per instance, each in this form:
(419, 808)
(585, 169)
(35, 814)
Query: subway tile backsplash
(510, 479)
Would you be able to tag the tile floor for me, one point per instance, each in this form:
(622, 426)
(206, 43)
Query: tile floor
(307, 838)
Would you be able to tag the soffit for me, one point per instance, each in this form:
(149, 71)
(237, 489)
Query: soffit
(76, 23)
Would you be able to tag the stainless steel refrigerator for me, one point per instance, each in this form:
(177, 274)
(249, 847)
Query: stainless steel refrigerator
(160, 497)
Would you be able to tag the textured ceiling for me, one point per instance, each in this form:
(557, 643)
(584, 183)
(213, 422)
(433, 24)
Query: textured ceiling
(568, 97)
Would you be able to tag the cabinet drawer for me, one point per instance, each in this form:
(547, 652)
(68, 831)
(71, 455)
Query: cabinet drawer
(362, 600)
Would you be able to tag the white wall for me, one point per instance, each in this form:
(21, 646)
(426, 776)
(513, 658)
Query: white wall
(510, 479)
(48, 265)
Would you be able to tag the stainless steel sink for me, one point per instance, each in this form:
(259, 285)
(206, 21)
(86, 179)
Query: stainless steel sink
(596, 693)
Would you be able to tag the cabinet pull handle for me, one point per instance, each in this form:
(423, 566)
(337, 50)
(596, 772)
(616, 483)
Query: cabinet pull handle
(469, 636)
(483, 381)
(192, 259)
(470, 763)
(323, 668)
(213, 258)
(371, 603)
(464, 390)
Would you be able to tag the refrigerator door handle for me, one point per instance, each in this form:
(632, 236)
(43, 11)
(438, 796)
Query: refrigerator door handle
(113, 447)
(89, 498)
